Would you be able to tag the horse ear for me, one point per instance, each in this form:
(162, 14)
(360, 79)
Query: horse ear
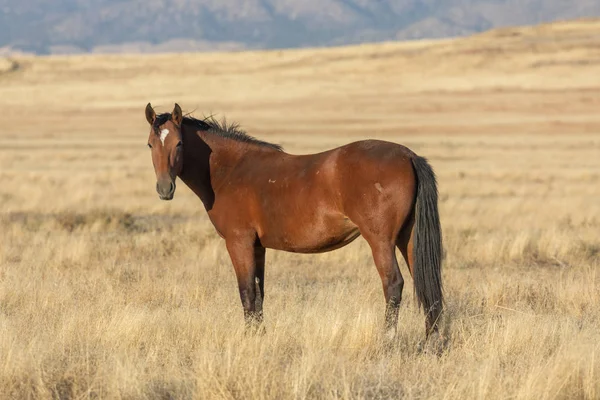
(150, 114)
(177, 115)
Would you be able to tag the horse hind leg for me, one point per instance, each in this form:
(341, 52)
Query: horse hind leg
(404, 242)
(392, 281)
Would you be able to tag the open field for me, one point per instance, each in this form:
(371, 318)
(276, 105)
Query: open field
(107, 292)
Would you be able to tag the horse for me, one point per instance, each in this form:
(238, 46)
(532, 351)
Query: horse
(259, 197)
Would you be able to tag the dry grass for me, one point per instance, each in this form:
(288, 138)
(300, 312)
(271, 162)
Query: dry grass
(106, 292)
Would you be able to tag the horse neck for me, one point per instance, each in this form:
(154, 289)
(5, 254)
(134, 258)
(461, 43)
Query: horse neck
(207, 161)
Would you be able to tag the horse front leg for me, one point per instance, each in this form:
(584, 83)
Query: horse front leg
(243, 256)
(259, 260)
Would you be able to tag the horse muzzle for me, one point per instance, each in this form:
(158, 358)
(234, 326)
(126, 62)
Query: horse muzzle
(165, 189)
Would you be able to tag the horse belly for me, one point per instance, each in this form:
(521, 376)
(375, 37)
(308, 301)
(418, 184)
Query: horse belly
(317, 236)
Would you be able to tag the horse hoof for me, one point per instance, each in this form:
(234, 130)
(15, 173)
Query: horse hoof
(255, 329)
(389, 338)
(435, 344)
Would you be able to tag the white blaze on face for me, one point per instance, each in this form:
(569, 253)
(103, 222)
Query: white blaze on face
(163, 135)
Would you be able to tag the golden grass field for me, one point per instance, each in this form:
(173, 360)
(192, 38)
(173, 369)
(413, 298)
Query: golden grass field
(107, 292)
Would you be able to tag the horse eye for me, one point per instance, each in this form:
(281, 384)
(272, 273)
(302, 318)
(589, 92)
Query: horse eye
(179, 144)
(149, 145)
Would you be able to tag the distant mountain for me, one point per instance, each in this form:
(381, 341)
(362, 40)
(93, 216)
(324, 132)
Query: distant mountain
(69, 26)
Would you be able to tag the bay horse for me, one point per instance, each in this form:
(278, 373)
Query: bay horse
(258, 197)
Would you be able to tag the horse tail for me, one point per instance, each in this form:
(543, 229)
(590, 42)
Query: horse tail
(427, 243)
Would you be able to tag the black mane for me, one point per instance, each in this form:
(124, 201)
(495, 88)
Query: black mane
(222, 129)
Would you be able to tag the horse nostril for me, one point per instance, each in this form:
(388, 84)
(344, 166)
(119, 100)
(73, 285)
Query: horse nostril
(172, 187)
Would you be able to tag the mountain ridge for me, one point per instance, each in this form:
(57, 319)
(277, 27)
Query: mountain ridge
(114, 26)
